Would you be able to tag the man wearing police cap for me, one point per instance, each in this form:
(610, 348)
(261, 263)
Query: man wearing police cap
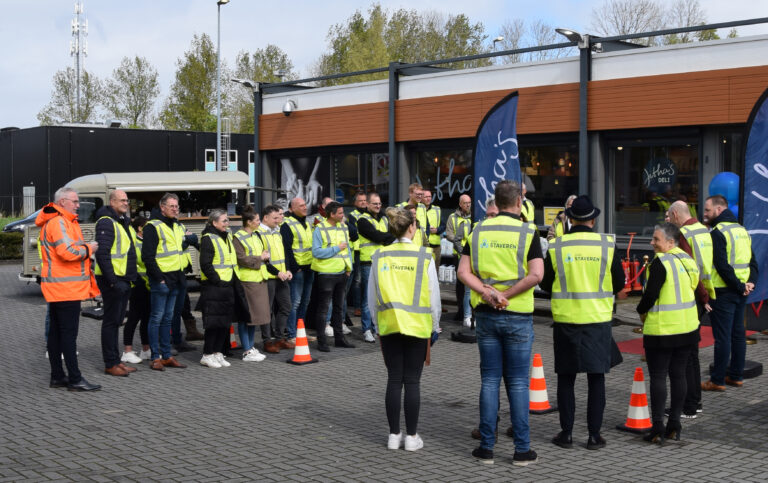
(583, 272)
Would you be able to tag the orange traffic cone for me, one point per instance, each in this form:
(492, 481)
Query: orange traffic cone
(537, 393)
(301, 353)
(638, 419)
(232, 340)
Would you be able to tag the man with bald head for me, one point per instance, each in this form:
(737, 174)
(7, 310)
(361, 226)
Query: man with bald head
(297, 242)
(115, 270)
(457, 230)
(696, 241)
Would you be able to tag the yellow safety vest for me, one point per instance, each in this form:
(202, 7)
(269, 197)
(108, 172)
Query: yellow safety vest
(302, 240)
(224, 257)
(118, 254)
(253, 248)
(499, 249)
(332, 236)
(141, 269)
(560, 229)
(169, 255)
(700, 240)
(421, 211)
(400, 275)
(527, 211)
(187, 258)
(273, 242)
(434, 216)
(461, 228)
(675, 310)
(738, 245)
(355, 214)
(367, 247)
(582, 292)
(420, 236)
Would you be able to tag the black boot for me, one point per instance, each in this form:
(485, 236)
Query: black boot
(656, 434)
(673, 430)
(342, 342)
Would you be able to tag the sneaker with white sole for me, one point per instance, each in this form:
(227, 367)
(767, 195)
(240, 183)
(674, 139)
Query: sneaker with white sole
(345, 330)
(328, 331)
(368, 336)
(253, 355)
(467, 321)
(220, 359)
(395, 440)
(145, 355)
(210, 361)
(413, 443)
(130, 357)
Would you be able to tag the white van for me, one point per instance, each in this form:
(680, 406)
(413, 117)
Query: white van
(199, 192)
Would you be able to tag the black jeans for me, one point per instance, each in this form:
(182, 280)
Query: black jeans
(138, 312)
(404, 357)
(459, 293)
(215, 339)
(115, 302)
(566, 401)
(330, 287)
(663, 361)
(280, 294)
(693, 375)
(62, 339)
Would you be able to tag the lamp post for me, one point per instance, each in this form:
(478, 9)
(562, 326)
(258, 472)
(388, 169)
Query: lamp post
(495, 41)
(219, 3)
(256, 88)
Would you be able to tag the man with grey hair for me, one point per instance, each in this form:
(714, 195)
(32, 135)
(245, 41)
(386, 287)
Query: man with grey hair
(297, 243)
(457, 230)
(66, 279)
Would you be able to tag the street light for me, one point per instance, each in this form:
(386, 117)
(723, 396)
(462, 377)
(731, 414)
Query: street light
(219, 3)
(495, 41)
(256, 88)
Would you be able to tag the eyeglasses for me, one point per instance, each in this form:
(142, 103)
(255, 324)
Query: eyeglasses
(124, 200)
(375, 204)
(76, 202)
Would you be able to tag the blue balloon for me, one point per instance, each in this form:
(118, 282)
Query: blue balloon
(726, 184)
(735, 209)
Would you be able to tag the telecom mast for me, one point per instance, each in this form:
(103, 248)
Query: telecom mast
(78, 46)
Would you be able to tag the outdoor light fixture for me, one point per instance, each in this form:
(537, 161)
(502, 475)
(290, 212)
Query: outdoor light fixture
(290, 106)
(497, 39)
(582, 40)
(247, 83)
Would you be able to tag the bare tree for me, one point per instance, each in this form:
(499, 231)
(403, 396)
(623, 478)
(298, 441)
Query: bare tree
(684, 13)
(513, 32)
(541, 33)
(622, 17)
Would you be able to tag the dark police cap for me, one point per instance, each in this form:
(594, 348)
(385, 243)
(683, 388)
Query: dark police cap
(582, 209)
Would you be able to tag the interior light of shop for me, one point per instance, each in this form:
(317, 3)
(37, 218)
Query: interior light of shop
(557, 181)
(687, 145)
(570, 165)
(619, 148)
(725, 141)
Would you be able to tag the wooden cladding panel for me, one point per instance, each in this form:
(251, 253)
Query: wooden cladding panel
(699, 98)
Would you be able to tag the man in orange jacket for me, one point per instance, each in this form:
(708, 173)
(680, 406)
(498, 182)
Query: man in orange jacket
(66, 279)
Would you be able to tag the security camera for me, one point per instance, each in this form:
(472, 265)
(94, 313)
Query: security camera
(289, 106)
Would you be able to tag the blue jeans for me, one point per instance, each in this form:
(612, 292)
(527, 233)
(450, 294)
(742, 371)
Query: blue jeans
(467, 305)
(301, 290)
(247, 335)
(727, 319)
(163, 304)
(177, 309)
(365, 318)
(505, 342)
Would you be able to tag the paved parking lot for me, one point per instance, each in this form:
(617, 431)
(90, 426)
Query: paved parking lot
(275, 421)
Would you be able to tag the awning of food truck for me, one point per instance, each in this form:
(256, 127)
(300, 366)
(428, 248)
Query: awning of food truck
(162, 181)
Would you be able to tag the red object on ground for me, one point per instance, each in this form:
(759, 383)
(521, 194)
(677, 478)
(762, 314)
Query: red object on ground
(635, 346)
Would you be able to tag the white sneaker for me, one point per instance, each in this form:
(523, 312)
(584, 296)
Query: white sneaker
(220, 359)
(467, 321)
(345, 330)
(130, 357)
(368, 336)
(210, 361)
(253, 355)
(413, 443)
(395, 440)
(145, 355)
(328, 331)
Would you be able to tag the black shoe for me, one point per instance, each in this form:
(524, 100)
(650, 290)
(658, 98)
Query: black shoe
(699, 408)
(524, 459)
(484, 455)
(59, 382)
(323, 348)
(510, 432)
(673, 430)
(564, 440)
(655, 435)
(348, 321)
(184, 347)
(342, 342)
(596, 442)
(83, 385)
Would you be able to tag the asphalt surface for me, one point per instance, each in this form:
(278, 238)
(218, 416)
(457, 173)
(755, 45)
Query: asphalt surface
(272, 421)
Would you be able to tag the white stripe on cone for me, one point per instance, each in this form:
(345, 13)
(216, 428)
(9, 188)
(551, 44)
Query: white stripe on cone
(638, 412)
(638, 387)
(301, 350)
(538, 396)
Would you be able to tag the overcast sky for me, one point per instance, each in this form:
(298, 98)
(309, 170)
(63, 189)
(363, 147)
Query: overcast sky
(36, 33)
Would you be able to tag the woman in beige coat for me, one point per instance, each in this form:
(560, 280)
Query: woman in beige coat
(250, 258)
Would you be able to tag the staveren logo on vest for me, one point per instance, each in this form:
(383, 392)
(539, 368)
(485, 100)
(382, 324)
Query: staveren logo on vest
(494, 244)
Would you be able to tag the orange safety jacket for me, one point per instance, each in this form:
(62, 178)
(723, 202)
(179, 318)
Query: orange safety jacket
(66, 273)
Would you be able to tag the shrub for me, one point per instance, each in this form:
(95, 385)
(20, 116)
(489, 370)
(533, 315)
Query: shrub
(10, 245)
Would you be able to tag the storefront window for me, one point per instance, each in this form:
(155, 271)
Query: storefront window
(731, 146)
(552, 171)
(307, 177)
(360, 172)
(448, 174)
(647, 179)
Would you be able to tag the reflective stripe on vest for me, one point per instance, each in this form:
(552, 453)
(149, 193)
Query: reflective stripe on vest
(700, 240)
(273, 242)
(499, 247)
(582, 292)
(527, 211)
(675, 310)
(169, 255)
(332, 236)
(367, 247)
(302, 241)
(253, 248)
(141, 269)
(738, 246)
(118, 254)
(434, 217)
(356, 216)
(461, 228)
(224, 258)
(401, 279)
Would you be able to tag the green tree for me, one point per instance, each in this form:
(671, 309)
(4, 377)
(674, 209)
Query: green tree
(131, 93)
(191, 103)
(63, 104)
